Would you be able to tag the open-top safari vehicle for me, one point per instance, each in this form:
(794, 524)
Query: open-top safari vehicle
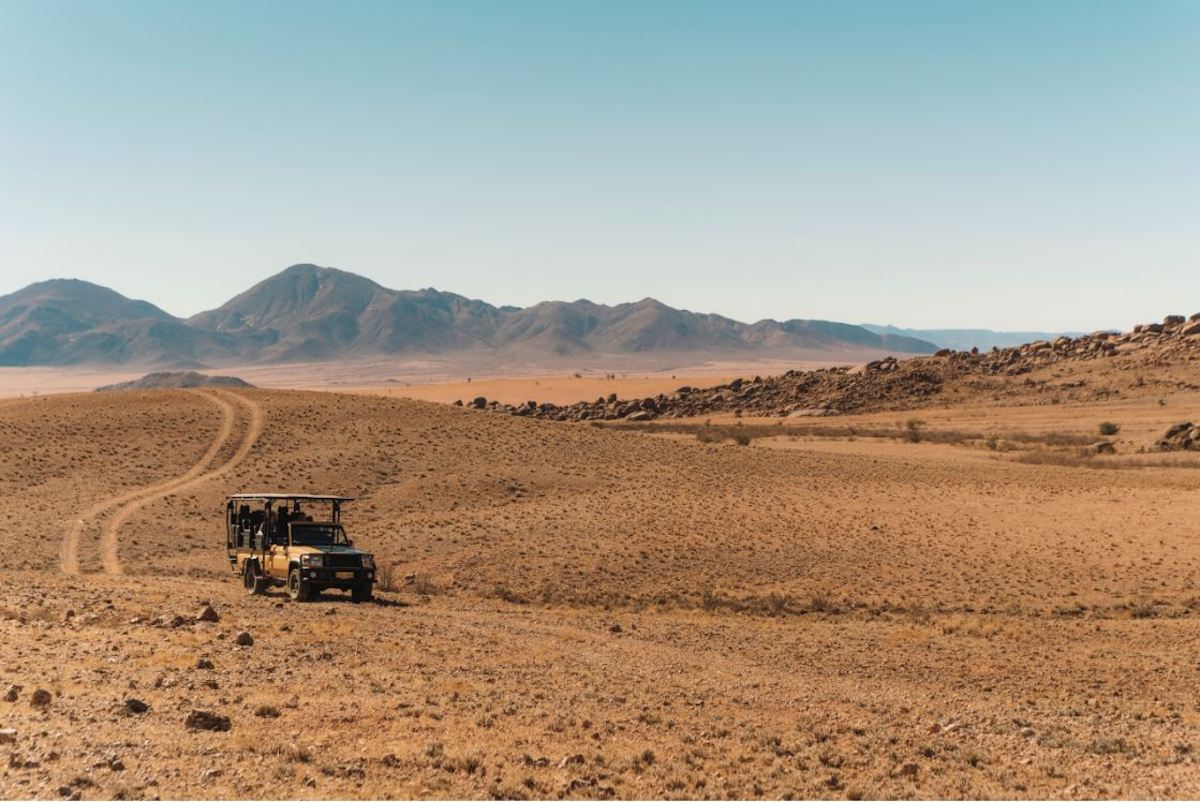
(273, 539)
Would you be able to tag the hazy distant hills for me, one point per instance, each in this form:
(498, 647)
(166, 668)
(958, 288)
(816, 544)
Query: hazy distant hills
(966, 339)
(308, 313)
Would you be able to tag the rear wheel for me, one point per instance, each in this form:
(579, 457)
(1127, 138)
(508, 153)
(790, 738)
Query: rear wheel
(298, 588)
(252, 580)
(361, 593)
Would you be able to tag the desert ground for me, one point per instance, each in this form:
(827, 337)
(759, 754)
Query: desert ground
(437, 379)
(946, 602)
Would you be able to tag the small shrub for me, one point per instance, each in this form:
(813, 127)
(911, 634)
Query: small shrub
(386, 576)
(1144, 611)
(778, 603)
(742, 439)
(912, 429)
(425, 585)
(1108, 428)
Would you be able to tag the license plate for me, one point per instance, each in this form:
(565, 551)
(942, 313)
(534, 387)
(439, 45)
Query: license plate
(345, 575)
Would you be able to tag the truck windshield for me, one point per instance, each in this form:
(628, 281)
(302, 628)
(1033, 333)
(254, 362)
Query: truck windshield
(318, 535)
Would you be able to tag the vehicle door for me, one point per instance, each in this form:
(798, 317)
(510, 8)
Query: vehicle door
(277, 557)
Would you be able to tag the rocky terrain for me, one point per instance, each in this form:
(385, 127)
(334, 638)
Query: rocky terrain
(178, 380)
(893, 383)
(967, 608)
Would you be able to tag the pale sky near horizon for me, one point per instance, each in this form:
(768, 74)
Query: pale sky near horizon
(1012, 165)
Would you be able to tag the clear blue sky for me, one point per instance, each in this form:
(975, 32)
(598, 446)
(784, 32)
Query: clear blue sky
(1007, 164)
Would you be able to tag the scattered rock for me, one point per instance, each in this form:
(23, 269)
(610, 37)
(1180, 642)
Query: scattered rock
(13, 693)
(8, 736)
(208, 614)
(244, 639)
(204, 720)
(40, 698)
(204, 664)
(615, 629)
(135, 707)
(1180, 437)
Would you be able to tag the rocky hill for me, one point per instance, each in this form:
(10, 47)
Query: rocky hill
(309, 313)
(902, 384)
(175, 380)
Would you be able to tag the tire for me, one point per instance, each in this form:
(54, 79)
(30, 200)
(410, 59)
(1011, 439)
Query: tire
(252, 581)
(361, 593)
(298, 588)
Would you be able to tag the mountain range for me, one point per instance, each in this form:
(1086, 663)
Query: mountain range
(310, 313)
(966, 339)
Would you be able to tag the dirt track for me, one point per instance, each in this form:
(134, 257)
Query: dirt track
(254, 423)
(129, 503)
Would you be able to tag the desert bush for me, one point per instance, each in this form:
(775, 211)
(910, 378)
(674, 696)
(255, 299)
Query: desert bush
(778, 603)
(504, 593)
(1108, 428)
(742, 439)
(425, 585)
(387, 576)
(912, 429)
(819, 603)
(1143, 611)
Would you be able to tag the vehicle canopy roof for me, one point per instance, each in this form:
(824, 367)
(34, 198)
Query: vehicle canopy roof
(287, 497)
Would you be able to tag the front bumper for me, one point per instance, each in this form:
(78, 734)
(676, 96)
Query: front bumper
(338, 577)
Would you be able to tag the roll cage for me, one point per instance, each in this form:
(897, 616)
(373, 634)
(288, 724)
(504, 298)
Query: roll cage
(257, 520)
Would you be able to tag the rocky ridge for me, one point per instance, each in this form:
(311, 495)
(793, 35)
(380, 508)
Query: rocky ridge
(882, 384)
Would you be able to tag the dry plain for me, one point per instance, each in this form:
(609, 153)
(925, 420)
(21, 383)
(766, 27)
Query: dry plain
(838, 609)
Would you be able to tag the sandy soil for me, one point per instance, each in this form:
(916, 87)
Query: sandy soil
(439, 379)
(591, 611)
(563, 389)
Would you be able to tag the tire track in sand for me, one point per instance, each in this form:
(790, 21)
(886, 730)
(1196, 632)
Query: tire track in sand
(109, 541)
(69, 553)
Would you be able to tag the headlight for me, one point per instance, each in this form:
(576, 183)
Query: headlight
(368, 561)
(312, 560)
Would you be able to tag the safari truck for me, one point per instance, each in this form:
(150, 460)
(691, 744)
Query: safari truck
(273, 539)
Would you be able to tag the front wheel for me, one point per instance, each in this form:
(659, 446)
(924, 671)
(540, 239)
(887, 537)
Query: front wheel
(298, 589)
(361, 593)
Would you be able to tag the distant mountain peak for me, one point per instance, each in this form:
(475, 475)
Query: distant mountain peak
(308, 312)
